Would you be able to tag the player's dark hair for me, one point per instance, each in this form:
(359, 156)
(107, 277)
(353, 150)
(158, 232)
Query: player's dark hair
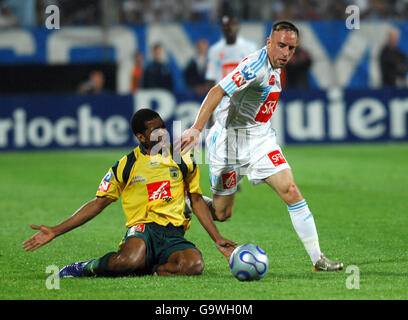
(137, 123)
(285, 25)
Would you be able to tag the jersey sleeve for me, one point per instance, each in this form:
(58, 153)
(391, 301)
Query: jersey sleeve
(192, 178)
(111, 185)
(244, 74)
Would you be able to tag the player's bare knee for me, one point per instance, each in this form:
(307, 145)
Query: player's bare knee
(193, 267)
(223, 215)
(293, 194)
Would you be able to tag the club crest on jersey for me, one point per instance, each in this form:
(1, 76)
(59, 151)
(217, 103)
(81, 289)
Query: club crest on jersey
(159, 190)
(248, 73)
(239, 79)
(229, 180)
(174, 173)
(276, 158)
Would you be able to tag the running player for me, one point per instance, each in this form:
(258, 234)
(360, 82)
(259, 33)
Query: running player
(242, 142)
(153, 189)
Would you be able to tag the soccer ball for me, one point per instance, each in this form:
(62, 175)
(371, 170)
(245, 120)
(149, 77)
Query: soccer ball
(248, 262)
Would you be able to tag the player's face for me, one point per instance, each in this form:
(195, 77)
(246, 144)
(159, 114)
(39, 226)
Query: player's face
(156, 134)
(281, 46)
(230, 30)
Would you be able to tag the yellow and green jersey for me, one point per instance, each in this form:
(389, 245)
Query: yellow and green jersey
(153, 188)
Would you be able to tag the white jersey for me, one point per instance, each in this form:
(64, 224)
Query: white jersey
(252, 89)
(223, 58)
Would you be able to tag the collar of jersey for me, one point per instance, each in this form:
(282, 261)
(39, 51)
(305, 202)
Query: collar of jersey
(143, 151)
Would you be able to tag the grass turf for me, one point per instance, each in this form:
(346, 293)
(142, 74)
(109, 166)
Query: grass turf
(357, 193)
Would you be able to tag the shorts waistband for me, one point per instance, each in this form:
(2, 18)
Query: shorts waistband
(252, 131)
(168, 227)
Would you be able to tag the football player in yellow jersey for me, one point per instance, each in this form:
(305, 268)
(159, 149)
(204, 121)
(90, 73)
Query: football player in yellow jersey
(153, 187)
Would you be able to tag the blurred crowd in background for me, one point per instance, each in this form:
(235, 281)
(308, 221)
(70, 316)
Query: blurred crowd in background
(90, 12)
(155, 71)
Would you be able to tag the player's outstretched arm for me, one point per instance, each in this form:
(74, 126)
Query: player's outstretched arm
(191, 137)
(203, 214)
(45, 234)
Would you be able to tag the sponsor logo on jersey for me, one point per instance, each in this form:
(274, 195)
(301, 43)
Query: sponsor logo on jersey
(140, 227)
(248, 73)
(276, 158)
(105, 183)
(159, 190)
(137, 179)
(272, 80)
(154, 164)
(229, 180)
(104, 186)
(239, 79)
(108, 177)
(268, 107)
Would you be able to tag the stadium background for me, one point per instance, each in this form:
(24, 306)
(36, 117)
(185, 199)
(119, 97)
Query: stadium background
(345, 138)
(42, 68)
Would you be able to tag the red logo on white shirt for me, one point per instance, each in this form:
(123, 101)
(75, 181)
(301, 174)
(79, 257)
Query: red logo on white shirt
(158, 190)
(272, 80)
(268, 107)
(239, 79)
(229, 180)
(276, 158)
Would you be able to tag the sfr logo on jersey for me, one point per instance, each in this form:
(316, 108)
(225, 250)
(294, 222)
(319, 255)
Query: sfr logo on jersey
(239, 79)
(268, 107)
(276, 158)
(229, 180)
(158, 190)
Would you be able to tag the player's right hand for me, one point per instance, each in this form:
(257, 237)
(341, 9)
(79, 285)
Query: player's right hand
(226, 247)
(43, 236)
(188, 140)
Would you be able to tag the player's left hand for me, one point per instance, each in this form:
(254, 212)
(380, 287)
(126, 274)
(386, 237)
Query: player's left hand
(226, 247)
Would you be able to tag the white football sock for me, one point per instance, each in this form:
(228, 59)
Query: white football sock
(188, 210)
(208, 201)
(303, 222)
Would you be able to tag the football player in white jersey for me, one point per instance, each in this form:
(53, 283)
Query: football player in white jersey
(242, 142)
(225, 55)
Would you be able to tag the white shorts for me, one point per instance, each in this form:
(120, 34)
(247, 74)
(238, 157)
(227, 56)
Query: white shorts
(234, 153)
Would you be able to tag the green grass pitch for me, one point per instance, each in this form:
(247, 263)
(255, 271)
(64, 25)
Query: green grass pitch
(358, 195)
